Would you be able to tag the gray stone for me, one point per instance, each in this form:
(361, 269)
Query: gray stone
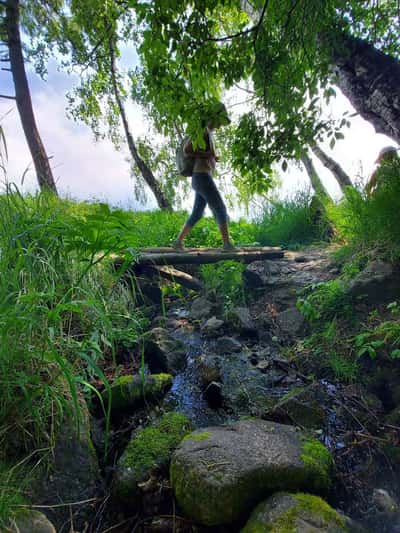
(128, 392)
(162, 353)
(30, 521)
(384, 501)
(227, 345)
(220, 473)
(202, 308)
(241, 319)
(302, 407)
(297, 513)
(73, 475)
(208, 369)
(378, 282)
(291, 322)
(148, 451)
(212, 326)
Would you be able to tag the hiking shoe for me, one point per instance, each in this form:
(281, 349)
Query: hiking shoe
(229, 247)
(178, 246)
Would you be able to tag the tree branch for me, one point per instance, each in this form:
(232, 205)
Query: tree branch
(7, 97)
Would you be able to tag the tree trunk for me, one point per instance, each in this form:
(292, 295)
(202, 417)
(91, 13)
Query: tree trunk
(316, 182)
(341, 177)
(148, 176)
(369, 78)
(23, 98)
(371, 81)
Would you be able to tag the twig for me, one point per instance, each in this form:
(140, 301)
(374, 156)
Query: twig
(7, 97)
(55, 506)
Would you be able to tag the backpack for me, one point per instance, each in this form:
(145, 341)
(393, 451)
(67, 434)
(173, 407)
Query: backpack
(184, 163)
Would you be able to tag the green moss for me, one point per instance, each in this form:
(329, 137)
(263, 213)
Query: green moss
(198, 436)
(319, 461)
(149, 448)
(129, 391)
(265, 518)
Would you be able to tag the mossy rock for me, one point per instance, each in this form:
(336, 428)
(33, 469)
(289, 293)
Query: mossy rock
(301, 407)
(220, 473)
(150, 448)
(132, 391)
(295, 513)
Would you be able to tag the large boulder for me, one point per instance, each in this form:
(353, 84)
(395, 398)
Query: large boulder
(128, 392)
(149, 449)
(163, 353)
(220, 473)
(72, 476)
(378, 282)
(297, 513)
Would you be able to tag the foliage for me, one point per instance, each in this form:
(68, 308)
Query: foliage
(288, 222)
(226, 279)
(325, 301)
(382, 339)
(371, 222)
(11, 492)
(59, 304)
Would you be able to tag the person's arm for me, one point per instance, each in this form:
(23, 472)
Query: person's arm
(201, 154)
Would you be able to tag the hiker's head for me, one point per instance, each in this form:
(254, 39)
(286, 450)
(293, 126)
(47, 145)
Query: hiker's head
(218, 116)
(389, 153)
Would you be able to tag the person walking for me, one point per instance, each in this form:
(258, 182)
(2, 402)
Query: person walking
(206, 191)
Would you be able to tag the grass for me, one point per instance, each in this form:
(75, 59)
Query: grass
(290, 222)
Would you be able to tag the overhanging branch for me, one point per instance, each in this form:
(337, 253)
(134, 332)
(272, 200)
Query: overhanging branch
(7, 97)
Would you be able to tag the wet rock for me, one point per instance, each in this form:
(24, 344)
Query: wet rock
(297, 513)
(73, 475)
(213, 394)
(149, 450)
(302, 407)
(393, 418)
(162, 352)
(30, 521)
(261, 273)
(147, 292)
(378, 282)
(227, 345)
(384, 501)
(291, 322)
(132, 391)
(202, 308)
(208, 369)
(263, 366)
(212, 326)
(220, 473)
(242, 321)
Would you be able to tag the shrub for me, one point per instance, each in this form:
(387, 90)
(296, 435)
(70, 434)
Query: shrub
(290, 222)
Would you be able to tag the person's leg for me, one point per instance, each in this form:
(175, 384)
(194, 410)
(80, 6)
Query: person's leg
(210, 192)
(197, 213)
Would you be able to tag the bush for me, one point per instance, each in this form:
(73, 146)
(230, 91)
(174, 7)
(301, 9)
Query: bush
(372, 222)
(290, 222)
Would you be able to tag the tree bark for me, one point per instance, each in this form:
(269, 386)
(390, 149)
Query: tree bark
(371, 81)
(23, 98)
(369, 78)
(341, 177)
(148, 176)
(316, 182)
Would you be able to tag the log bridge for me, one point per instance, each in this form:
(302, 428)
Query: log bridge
(160, 262)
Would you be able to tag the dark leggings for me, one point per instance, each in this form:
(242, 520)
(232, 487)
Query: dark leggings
(206, 193)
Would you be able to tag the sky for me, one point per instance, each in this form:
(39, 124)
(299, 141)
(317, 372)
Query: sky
(89, 170)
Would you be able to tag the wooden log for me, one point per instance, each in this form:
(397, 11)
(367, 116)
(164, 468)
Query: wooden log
(172, 274)
(168, 256)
